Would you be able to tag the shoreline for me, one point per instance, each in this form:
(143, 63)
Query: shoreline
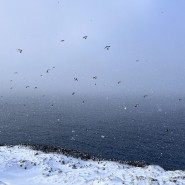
(20, 165)
(76, 154)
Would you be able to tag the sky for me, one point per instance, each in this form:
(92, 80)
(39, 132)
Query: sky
(151, 31)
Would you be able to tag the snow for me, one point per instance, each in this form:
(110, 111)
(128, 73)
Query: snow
(20, 165)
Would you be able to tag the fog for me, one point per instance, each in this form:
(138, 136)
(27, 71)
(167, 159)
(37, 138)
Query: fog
(146, 37)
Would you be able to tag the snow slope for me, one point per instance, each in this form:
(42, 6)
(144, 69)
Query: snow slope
(21, 165)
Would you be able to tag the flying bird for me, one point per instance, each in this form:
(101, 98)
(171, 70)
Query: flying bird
(19, 50)
(119, 82)
(84, 37)
(95, 77)
(27, 86)
(180, 99)
(137, 105)
(75, 79)
(15, 72)
(62, 40)
(53, 67)
(73, 93)
(83, 102)
(35, 87)
(137, 60)
(107, 47)
(145, 95)
(48, 70)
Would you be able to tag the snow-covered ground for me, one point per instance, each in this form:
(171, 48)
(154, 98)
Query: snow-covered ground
(21, 165)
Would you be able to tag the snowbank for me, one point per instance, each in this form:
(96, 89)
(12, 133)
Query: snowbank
(21, 165)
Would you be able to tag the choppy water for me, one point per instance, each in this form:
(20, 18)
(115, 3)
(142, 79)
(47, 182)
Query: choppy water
(107, 127)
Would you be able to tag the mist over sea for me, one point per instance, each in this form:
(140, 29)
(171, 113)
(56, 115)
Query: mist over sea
(103, 126)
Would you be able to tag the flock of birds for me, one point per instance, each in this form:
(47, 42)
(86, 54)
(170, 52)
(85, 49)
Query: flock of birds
(107, 47)
(75, 79)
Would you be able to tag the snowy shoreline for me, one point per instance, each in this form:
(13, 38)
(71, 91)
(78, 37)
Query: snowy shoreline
(31, 166)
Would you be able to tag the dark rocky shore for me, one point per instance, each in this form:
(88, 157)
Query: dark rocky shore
(77, 154)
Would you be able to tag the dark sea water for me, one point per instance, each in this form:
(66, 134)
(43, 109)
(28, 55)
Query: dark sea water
(104, 127)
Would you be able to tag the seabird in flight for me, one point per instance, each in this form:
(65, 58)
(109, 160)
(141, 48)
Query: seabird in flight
(137, 105)
(145, 95)
(75, 79)
(119, 82)
(19, 50)
(84, 37)
(107, 47)
(73, 93)
(95, 77)
(27, 86)
(48, 70)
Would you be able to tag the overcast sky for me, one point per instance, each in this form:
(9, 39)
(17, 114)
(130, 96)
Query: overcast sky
(151, 31)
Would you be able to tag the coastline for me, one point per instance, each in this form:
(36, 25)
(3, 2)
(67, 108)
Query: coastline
(51, 165)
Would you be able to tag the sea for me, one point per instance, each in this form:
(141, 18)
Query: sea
(109, 127)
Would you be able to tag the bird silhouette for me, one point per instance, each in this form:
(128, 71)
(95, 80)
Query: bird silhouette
(95, 77)
(145, 95)
(27, 86)
(107, 47)
(75, 79)
(48, 70)
(83, 102)
(84, 37)
(180, 99)
(53, 67)
(119, 82)
(137, 60)
(19, 50)
(35, 87)
(137, 105)
(73, 93)
(15, 72)
(62, 40)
